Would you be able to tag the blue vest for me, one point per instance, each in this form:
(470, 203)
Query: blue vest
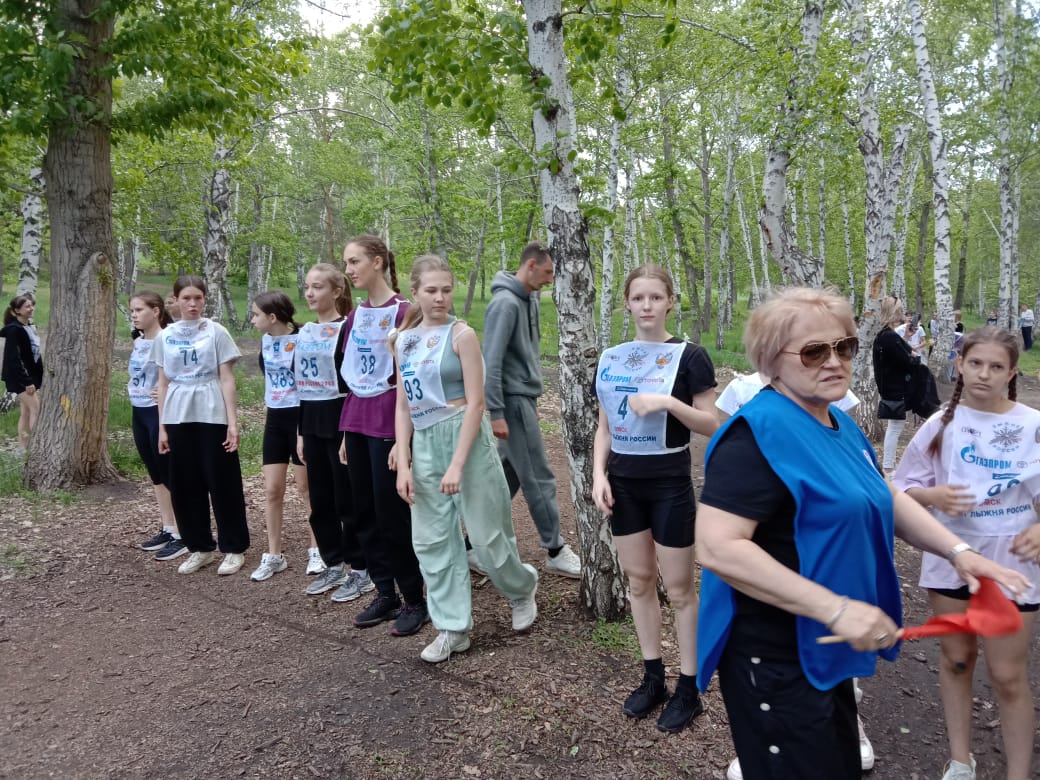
(843, 528)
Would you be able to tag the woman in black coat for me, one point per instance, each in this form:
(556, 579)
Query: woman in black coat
(22, 370)
(893, 365)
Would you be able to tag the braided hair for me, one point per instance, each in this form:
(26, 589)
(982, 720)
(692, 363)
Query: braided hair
(375, 247)
(988, 334)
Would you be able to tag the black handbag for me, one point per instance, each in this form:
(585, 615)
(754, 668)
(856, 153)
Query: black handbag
(891, 409)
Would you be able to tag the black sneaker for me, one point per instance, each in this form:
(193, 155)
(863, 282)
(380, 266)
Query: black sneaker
(645, 698)
(157, 542)
(682, 708)
(380, 609)
(174, 548)
(411, 618)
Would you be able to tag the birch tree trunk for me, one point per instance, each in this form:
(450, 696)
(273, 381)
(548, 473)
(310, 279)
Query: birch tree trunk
(68, 446)
(847, 232)
(630, 254)
(432, 188)
(707, 146)
(763, 252)
(725, 312)
(962, 258)
(215, 244)
(602, 586)
(478, 263)
(903, 231)
(255, 270)
(1016, 203)
(1005, 314)
(940, 188)
(796, 264)
(745, 234)
(32, 215)
(821, 195)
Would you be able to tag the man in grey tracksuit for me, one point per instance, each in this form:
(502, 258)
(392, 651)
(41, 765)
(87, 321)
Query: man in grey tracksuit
(511, 389)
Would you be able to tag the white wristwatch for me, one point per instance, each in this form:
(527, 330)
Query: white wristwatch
(957, 549)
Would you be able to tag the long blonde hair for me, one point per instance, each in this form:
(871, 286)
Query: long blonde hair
(338, 282)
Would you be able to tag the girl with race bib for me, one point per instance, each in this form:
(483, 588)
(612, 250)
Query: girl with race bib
(319, 350)
(148, 317)
(273, 317)
(198, 427)
(653, 392)
(451, 468)
(368, 424)
(976, 465)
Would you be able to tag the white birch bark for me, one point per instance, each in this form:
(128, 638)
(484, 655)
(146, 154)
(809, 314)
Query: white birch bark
(903, 231)
(1016, 203)
(940, 187)
(1006, 315)
(630, 254)
(807, 217)
(432, 187)
(602, 589)
(215, 251)
(847, 232)
(31, 212)
(763, 252)
(821, 194)
(725, 309)
(745, 235)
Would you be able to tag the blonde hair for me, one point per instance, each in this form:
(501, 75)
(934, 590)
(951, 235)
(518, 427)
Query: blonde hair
(423, 264)
(768, 327)
(891, 311)
(338, 282)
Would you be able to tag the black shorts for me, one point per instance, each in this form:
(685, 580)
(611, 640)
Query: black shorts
(783, 728)
(280, 431)
(962, 594)
(663, 505)
(145, 426)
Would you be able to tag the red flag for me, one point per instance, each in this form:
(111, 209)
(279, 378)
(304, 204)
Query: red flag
(990, 613)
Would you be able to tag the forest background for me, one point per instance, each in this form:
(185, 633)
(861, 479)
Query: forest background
(880, 147)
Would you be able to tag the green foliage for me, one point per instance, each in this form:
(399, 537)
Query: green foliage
(617, 638)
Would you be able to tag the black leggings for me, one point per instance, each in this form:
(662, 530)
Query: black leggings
(332, 510)
(384, 520)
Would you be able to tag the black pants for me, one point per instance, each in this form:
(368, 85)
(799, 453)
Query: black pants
(384, 520)
(332, 509)
(202, 471)
(785, 729)
(145, 426)
(1027, 336)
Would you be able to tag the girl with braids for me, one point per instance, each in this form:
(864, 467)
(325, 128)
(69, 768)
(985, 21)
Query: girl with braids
(319, 350)
(148, 316)
(383, 518)
(977, 467)
(273, 316)
(23, 364)
(451, 467)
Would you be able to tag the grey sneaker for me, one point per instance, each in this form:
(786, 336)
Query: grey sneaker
(353, 586)
(332, 577)
(955, 770)
(269, 566)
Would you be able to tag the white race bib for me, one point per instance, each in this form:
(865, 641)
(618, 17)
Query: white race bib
(315, 364)
(189, 352)
(368, 364)
(279, 380)
(419, 354)
(144, 374)
(637, 367)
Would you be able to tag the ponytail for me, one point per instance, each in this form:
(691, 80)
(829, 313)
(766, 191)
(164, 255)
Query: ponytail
(16, 303)
(154, 301)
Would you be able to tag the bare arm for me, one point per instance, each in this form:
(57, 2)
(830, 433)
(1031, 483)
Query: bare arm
(403, 444)
(161, 389)
(601, 492)
(700, 417)
(467, 347)
(230, 395)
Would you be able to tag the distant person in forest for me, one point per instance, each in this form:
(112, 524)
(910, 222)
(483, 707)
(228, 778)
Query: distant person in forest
(653, 393)
(23, 364)
(992, 318)
(893, 364)
(273, 314)
(173, 309)
(1025, 323)
(198, 427)
(512, 387)
(148, 317)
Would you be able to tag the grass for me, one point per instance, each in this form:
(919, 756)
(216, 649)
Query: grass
(13, 560)
(617, 638)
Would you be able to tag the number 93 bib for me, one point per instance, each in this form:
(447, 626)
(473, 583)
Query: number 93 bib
(419, 354)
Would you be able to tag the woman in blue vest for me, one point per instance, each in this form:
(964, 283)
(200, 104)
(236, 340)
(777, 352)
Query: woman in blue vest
(653, 392)
(795, 532)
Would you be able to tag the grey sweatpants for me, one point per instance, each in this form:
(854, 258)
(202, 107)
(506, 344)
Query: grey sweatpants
(526, 466)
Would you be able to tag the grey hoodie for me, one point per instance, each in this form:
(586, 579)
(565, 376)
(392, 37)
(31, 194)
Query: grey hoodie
(511, 350)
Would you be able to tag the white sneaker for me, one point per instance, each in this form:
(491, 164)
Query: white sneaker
(474, 563)
(733, 770)
(315, 565)
(866, 750)
(566, 563)
(232, 563)
(955, 770)
(524, 612)
(196, 561)
(446, 643)
(270, 565)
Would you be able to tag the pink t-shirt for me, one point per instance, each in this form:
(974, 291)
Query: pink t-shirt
(374, 415)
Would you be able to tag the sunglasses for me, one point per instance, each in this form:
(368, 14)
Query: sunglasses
(817, 353)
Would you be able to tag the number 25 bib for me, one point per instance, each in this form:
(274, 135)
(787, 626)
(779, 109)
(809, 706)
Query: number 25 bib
(367, 361)
(315, 365)
(419, 353)
(627, 369)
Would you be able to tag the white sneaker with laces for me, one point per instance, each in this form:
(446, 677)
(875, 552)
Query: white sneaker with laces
(232, 563)
(474, 563)
(565, 563)
(866, 750)
(733, 770)
(315, 565)
(270, 564)
(955, 770)
(446, 643)
(524, 613)
(196, 561)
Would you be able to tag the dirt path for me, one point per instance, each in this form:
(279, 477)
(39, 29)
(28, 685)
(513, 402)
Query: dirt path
(115, 665)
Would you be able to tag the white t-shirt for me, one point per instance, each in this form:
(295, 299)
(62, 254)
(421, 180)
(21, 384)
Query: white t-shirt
(144, 374)
(998, 457)
(745, 387)
(190, 353)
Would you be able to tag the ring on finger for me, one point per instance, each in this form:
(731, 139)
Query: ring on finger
(881, 638)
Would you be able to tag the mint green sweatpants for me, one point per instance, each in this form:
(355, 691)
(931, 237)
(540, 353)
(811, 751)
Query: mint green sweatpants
(484, 501)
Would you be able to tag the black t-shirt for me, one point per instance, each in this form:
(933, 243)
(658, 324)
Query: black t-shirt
(694, 375)
(739, 480)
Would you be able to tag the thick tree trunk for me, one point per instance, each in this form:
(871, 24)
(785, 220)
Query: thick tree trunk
(1005, 80)
(32, 215)
(215, 244)
(68, 446)
(940, 188)
(602, 585)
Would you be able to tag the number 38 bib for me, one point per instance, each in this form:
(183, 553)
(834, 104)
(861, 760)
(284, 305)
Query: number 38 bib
(367, 361)
(627, 369)
(279, 382)
(419, 353)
